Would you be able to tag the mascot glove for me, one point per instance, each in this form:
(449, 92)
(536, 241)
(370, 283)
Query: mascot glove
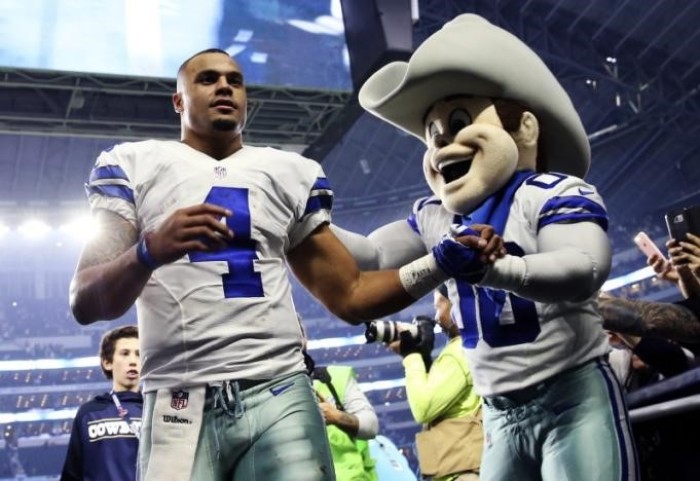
(458, 260)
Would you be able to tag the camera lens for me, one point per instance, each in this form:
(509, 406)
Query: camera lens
(382, 331)
(389, 332)
(371, 332)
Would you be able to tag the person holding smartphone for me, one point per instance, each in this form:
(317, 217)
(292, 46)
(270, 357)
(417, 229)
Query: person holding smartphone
(683, 264)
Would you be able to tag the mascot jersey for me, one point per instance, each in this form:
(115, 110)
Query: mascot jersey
(513, 342)
(226, 314)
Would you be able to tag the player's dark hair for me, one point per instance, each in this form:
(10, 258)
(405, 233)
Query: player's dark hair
(109, 343)
(202, 52)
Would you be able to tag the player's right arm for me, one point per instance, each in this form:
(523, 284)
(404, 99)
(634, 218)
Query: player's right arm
(110, 275)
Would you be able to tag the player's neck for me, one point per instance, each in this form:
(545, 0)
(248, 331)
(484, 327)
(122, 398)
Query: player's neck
(216, 146)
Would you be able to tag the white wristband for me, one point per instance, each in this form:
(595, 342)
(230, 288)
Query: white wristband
(421, 276)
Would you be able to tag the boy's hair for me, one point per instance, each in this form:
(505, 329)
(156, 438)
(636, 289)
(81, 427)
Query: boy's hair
(109, 343)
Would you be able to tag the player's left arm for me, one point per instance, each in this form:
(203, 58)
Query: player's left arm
(327, 269)
(572, 263)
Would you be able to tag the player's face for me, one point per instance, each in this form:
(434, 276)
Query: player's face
(211, 95)
(470, 156)
(125, 365)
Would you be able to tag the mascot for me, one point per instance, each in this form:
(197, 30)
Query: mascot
(506, 148)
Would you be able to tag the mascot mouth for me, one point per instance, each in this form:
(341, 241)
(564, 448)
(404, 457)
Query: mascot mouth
(454, 169)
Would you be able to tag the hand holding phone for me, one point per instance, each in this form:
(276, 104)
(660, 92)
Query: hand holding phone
(680, 222)
(648, 246)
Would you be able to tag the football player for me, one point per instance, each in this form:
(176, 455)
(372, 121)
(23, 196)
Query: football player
(199, 233)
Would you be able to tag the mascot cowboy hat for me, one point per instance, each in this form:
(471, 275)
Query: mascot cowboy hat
(471, 56)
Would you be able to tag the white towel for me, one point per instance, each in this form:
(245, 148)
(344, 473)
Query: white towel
(175, 428)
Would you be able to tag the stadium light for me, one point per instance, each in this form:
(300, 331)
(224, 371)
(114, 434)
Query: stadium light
(81, 228)
(34, 229)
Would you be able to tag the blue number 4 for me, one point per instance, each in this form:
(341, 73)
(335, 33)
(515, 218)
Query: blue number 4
(241, 280)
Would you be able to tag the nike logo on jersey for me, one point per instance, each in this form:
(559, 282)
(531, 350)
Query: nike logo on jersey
(276, 391)
(583, 191)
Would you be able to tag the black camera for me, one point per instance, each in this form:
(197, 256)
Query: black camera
(388, 331)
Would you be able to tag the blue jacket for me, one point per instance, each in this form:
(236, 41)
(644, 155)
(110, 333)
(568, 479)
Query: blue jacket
(102, 446)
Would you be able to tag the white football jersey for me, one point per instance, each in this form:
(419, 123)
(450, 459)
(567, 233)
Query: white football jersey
(227, 314)
(513, 343)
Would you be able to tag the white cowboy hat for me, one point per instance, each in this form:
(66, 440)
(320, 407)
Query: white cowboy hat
(469, 55)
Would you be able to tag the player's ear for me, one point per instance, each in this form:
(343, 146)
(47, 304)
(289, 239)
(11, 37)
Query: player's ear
(177, 102)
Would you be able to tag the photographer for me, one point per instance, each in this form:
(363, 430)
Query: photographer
(350, 422)
(350, 418)
(442, 398)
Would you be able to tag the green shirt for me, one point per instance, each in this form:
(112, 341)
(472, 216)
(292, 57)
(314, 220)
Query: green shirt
(446, 391)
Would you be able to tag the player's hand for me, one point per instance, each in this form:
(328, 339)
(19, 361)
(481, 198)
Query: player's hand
(459, 254)
(494, 247)
(196, 228)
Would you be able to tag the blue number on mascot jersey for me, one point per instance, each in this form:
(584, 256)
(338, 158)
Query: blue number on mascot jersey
(481, 310)
(241, 280)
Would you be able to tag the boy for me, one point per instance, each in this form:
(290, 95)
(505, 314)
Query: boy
(104, 441)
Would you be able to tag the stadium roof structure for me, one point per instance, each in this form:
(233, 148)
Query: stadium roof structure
(632, 69)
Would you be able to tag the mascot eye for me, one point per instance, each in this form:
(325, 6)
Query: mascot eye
(459, 119)
(433, 130)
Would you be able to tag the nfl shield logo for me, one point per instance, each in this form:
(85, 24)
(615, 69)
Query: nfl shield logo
(220, 172)
(179, 400)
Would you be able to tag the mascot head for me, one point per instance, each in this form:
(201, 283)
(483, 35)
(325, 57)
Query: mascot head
(485, 105)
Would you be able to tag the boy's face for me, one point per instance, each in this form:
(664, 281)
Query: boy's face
(470, 155)
(125, 365)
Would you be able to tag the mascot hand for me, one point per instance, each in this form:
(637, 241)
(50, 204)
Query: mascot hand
(457, 258)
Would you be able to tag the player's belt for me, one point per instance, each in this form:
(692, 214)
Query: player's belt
(243, 384)
(517, 398)
(227, 394)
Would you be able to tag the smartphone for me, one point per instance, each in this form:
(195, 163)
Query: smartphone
(683, 221)
(647, 245)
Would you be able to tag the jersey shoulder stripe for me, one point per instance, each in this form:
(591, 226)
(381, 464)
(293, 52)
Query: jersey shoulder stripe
(571, 209)
(552, 198)
(320, 197)
(108, 172)
(119, 191)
